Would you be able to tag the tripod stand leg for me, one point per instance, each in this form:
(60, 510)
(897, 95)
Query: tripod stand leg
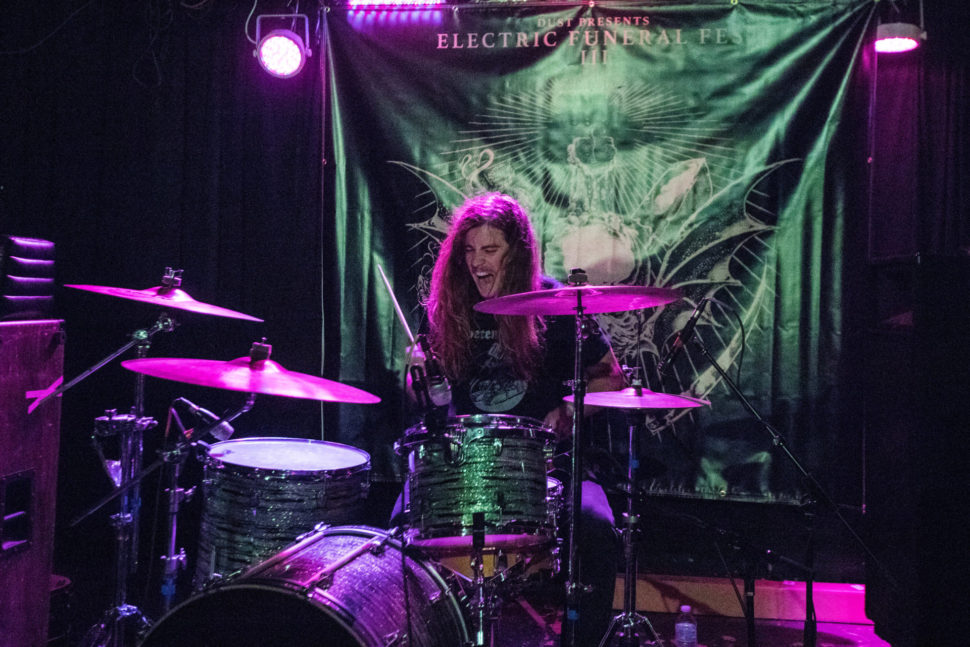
(623, 631)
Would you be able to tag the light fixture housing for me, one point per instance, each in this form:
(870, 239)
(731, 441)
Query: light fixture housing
(893, 37)
(282, 51)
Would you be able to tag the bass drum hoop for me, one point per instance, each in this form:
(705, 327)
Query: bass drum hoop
(314, 611)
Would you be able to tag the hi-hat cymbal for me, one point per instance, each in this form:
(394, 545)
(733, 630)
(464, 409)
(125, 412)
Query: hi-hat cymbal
(595, 299)
(639, 398)
(165, 297)
(244, 374)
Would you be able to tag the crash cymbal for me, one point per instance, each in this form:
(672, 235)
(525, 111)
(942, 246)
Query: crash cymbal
(639, 398)
(594, 299)
(165, 297)
(244, 374)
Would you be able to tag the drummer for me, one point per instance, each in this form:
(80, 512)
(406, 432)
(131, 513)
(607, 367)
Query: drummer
(520, 365)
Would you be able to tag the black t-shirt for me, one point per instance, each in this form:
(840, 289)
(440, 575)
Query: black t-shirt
(493, 386)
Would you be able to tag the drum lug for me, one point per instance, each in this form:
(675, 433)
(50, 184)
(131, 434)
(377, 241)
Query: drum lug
(497, 446)
(321, 584)
(320, 527)
(396, 638)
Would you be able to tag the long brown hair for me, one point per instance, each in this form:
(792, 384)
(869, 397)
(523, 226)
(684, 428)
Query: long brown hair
(453, 292)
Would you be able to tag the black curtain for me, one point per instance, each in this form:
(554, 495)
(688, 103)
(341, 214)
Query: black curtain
(139, 136)
(911, 319)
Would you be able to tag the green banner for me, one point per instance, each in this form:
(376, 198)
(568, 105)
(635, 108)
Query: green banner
(682, 145)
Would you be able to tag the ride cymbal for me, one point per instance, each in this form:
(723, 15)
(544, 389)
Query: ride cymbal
(594, 299)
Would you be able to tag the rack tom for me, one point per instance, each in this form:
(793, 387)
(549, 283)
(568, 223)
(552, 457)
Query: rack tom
(490, 464)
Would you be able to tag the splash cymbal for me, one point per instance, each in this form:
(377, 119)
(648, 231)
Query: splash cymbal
(165, 297)
(249, 376)
(639, 398)
(595, 299)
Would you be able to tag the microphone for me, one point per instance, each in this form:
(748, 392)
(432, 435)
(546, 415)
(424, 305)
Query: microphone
(439, 388)
(682, 339)
(221, 431)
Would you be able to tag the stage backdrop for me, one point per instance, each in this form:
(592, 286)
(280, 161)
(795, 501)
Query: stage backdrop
(684, 145)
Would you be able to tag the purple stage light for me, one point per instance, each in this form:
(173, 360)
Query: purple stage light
(894, 37)
(281, 53)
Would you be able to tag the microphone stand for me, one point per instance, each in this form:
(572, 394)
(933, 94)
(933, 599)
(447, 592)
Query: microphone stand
(174, 459)
(817, 490)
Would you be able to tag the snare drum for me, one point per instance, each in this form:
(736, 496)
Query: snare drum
(342, 586)
(259, 494)
(492, 464)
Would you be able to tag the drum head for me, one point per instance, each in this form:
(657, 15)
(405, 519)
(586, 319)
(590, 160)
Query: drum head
(292, 455)
(250, 615)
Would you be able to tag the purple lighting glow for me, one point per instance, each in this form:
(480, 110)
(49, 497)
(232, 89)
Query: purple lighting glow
(391, 4)
(281, 53)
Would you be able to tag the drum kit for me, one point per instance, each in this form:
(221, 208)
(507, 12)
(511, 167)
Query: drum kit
(277, 562)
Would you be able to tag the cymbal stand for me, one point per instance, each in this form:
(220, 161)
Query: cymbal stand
(174, 459)
(574, 588)
(111, 630)
(625, 629)
(481, 604)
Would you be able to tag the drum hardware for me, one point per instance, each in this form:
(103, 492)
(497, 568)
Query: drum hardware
(252, 508)
(625, 629)
(113, 628)
(577, 299)
(482, 604)
(173, 458)
(126, 471)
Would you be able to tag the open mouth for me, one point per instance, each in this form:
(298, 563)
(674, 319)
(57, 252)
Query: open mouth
(485, 282)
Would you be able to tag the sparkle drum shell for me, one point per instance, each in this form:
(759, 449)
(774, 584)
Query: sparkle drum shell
(337, 586)
(493, 464)
(260, 494)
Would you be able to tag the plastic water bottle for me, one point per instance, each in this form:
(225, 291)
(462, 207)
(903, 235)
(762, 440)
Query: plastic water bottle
(685, 631)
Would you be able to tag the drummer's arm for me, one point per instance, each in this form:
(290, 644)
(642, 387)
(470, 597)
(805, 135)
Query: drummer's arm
(604, 375)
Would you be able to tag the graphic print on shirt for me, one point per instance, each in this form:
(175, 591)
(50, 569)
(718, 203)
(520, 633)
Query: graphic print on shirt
(496, 388)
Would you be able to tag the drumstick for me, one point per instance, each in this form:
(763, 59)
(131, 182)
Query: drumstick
(400, 313)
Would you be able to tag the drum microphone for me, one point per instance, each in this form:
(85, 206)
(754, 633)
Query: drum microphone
(682, 339)
(439, 388)
(221, 431)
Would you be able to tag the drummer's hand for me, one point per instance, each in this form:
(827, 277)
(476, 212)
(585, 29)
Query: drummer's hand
(560, 420)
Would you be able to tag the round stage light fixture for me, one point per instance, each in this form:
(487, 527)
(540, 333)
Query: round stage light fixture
(893, 37)
(282, 51)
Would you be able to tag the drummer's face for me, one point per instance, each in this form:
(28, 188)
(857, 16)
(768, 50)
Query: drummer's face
(485, 250)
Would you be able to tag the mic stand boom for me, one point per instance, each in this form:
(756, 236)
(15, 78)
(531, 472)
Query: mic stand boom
(817, 490)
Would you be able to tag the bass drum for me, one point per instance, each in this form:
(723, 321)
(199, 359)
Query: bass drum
(336, 587)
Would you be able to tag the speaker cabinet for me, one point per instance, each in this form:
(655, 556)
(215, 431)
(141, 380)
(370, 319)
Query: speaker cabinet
(31, 363)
